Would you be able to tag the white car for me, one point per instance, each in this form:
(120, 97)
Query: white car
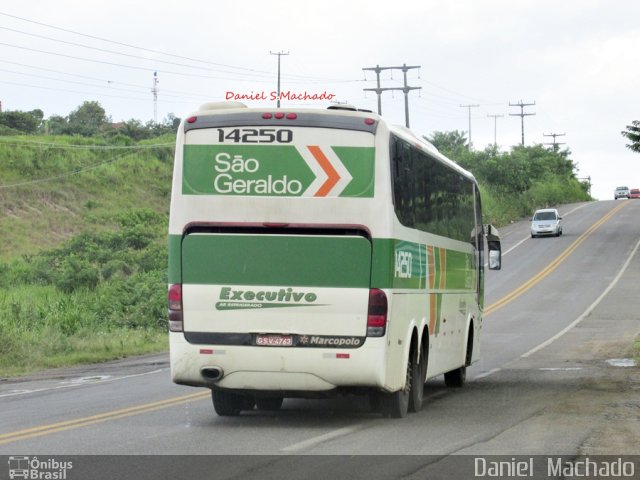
(621, 192)
(546, 222)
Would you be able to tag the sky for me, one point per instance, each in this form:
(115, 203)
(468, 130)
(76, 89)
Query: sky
(577, 60)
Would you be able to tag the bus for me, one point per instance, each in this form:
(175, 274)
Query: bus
(320, 252)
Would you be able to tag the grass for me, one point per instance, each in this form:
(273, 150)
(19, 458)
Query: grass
(83, 256)
(50, 348)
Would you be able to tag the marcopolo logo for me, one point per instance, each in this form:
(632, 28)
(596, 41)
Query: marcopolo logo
(236, 299)
(330, 341)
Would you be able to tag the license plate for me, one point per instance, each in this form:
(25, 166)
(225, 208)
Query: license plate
(274, 340)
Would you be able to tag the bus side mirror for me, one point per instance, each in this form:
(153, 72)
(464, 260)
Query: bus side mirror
(495, 256)
(495, 249)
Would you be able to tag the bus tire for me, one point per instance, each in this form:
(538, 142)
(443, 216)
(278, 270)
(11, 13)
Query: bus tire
(227, 404)
(417, 390)
(456, 378)
(396, 404)
(269, 403)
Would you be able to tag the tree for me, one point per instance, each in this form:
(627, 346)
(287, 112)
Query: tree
(27, 122)
(449, 143)
(56, 125)
(87, 119)
(633, 133)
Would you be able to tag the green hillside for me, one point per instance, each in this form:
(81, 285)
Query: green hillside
(53, 187)
(83, 256)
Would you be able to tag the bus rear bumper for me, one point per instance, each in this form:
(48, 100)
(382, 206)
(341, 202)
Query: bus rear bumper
(277, 368)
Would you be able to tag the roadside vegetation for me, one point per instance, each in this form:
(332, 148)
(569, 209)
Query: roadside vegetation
(84, 209)
(515, 183)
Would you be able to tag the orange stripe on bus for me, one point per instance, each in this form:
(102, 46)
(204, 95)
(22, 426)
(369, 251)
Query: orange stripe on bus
(325, 164)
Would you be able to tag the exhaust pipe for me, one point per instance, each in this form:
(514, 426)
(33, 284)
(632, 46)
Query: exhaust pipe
(212, 373)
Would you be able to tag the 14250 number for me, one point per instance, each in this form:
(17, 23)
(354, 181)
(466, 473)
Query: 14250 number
(255, 135)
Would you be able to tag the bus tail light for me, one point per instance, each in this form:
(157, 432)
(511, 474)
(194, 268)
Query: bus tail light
(377, 313)
(175, 308)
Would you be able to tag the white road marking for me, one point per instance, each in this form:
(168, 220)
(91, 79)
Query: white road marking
(486, 374)
(72, 383)
(559, 369)
(313, 441)
(588, 311)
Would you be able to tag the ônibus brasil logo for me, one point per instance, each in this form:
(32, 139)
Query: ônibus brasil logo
(236, 299)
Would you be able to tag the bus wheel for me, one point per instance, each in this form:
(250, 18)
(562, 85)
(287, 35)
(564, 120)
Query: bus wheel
(456, 378)
(269, 403)
(396, 404)
(417, 392)
(227, 404)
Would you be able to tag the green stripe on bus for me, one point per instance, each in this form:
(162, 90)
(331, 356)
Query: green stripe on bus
(274, 260)
(459, 275)
(274, 170)
(360, 163)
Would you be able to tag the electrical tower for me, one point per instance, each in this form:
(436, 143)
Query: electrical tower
(521, 114)
(406, 88)
(495, 127)
(554, 143)
(469, 106)
(279, 54)
(154, 91)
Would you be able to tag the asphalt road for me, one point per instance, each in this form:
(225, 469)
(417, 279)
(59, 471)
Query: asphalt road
(553, 297)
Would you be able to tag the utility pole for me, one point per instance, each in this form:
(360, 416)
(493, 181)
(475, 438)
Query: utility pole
(154, 91)
(521, 114)
(406, 89)
(554, 143)
(378, 89)
(588, 181)
(469, 106)
(495, 126)
(279, 54)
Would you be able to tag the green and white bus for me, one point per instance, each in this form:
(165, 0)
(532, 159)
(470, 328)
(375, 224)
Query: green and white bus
(320, 252)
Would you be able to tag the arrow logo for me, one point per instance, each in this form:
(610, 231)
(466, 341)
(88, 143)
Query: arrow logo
(331, 175)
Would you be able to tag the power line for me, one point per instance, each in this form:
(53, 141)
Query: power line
(251, 71)
(147, 69)
(104, 50)
(65, 175)
(102, 39)
(521, 104)
(80, 92)
(135, 67)
(108, 82)
(22, 143)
